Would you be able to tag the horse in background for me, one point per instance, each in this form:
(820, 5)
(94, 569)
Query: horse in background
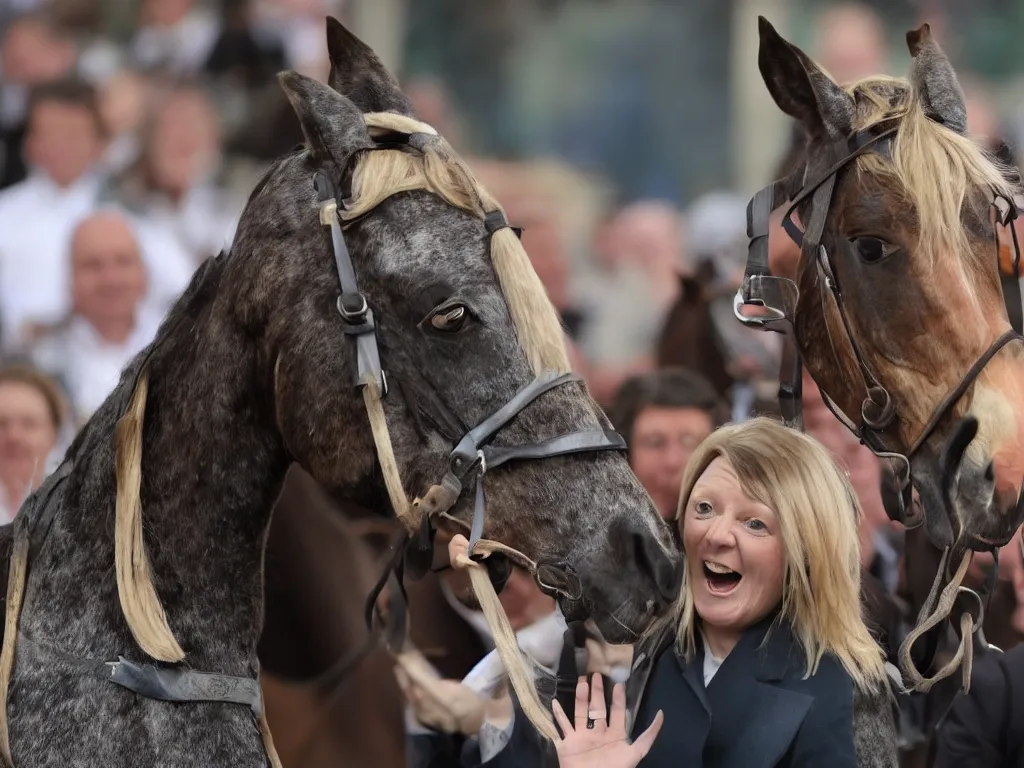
(136, 569)
(331, 695)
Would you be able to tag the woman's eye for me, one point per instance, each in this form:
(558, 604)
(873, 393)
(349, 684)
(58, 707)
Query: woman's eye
(703, 508)
(756, 525)
(873, 249)
(450, 319)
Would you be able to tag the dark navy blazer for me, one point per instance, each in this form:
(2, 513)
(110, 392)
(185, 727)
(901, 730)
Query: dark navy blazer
(757, 712)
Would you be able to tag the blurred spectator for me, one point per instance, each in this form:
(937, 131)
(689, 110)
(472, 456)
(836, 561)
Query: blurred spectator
(123, 103)
(64, 145)
(32, 414)
(32, 52)
(663, 416)
(175, 36)
(173, 184)
(641, 250)
(481, 698)
(544, 243)
(299, 24)
(984, 728)
(700, 331)
(850, 42)
(245, 55)
(109, 323)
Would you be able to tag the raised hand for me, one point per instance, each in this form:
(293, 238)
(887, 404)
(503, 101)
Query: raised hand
(603, 744)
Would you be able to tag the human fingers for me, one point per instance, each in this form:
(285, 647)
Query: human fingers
(561, 719)
(598, 711)
(458, 551)
(617, 719)
(580, 715)
(643, 744)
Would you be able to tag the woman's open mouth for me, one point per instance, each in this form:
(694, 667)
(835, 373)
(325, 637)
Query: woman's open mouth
(721, 579)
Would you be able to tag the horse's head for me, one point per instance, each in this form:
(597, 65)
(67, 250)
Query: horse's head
(900, 317)
(459, 334)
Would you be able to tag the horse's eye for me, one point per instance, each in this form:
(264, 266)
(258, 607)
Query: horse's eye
(450, 319)
(873, 249)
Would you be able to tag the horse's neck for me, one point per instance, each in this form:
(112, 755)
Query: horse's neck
(212, 466)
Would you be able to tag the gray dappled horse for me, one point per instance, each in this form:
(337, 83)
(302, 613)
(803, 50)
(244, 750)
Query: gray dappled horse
(135, 591)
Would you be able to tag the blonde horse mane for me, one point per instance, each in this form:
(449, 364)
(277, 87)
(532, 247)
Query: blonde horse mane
(139, 601)
(378, 175)
(938, 170)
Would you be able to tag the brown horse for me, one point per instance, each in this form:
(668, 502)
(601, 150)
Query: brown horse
(331, 695)
(896, 308)
(900, 316)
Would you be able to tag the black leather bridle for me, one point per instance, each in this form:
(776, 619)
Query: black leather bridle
(778, 297)
(474, 455)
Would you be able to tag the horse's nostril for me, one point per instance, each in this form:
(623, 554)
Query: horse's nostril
(655, 563)
(990, 473)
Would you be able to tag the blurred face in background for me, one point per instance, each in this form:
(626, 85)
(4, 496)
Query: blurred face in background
(27, 435)
(851, 42)
(63, 140)
(542, 240)
(647, 235)
(184, 143)
(663, 440)
(163, 13)
(32, 54)
(123, 103)
(108, 279)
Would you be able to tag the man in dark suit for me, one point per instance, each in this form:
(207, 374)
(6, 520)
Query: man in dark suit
(985, 727)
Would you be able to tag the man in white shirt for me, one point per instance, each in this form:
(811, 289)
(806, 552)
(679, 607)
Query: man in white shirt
(63, 146)
(110, 321)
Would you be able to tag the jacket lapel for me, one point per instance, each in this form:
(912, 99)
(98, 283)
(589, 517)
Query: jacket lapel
(645, 658)
(761, 716)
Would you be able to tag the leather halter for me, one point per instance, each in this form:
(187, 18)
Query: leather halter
(474, 455)
(778, 296)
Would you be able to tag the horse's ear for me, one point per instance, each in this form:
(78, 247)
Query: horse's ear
(935, 82)
(357, 73)
(800, 88)
(333, 125)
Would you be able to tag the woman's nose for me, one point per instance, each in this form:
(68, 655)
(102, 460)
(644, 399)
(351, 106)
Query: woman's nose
(720, 533)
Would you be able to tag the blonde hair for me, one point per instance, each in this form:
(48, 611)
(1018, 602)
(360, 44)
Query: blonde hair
(937, 169)
(818, 514)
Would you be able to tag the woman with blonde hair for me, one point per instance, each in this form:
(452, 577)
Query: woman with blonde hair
(766, 660)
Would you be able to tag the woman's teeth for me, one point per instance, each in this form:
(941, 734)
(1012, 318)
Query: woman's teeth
(717, 567)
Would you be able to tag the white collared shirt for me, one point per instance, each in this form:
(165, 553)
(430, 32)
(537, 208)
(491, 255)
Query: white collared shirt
(89, 366)
(37, 219)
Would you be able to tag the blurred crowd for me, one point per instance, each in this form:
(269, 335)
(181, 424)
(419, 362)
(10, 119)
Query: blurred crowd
(125, 160)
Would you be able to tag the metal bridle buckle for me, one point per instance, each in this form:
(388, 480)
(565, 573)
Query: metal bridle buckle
(356, 316)
(764, 323)
(483, 462)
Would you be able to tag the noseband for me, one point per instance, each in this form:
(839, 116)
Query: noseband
(778, 297)
(474, 455)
